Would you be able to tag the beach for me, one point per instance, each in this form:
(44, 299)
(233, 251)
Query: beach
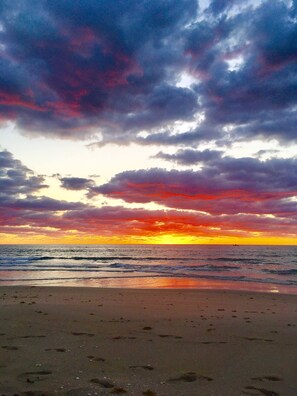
(100, 341)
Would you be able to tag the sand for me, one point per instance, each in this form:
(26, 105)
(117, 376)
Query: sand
(89, 341)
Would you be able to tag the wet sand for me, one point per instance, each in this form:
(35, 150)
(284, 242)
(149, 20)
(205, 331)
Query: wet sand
(88, 341)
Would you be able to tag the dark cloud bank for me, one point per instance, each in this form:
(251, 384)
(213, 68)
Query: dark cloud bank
(74, 68)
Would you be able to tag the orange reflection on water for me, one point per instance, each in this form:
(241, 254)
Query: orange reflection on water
(182, 283)
(142, 283)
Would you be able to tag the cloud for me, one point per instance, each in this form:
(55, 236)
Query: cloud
(76, 183)
(114, 222)
(17, 179)
(223, 186)
(249, 83)
(232, 208)
(190, 156)
(110, 68)
(111, 65)
(218, 6)
(18, 186)
(141, 222)
(37, 204)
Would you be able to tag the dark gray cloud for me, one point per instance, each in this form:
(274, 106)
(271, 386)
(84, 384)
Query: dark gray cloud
(18, 185)
(258, 97)
(15, 178)
(39, 204)
(218, 6)
(190, 156)
(72, 69)
(76, 183)
(68, 67)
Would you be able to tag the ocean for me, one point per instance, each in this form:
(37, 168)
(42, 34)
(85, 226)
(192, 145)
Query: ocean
(254, 268)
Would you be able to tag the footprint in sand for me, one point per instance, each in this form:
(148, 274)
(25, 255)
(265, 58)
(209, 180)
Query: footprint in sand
(96, 359)
(258, 339)
(80, 334)
(149, 393)
(10, 347)
(190, 377)
(265, 392)
(35, 376)
(213, 342)
(118, 391)
(56, 349)
(33, 393)
(145, 367)
(267, 378)
(104, 383)
(81, 392)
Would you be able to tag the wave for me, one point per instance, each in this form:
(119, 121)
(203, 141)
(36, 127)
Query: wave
(95, 258)
(281, 272)
(103, 259)
(239, 260)
(123, 267)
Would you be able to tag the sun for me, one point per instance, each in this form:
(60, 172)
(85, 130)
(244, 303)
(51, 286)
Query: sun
(173, 239)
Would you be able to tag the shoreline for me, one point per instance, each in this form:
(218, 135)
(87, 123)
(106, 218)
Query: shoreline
(101, 341)
(161, 283)
(172, 289)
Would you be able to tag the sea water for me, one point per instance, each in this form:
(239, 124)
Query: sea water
(256, 268)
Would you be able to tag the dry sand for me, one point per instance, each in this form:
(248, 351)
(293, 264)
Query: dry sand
(79, 341)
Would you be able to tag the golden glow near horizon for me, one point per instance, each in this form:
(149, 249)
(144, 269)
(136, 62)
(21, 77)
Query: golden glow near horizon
(170, 239)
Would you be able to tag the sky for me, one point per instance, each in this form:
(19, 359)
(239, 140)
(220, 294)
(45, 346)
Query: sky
(148, 121)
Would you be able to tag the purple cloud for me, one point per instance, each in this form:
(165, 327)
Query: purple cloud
(190, 156)
(76, 183)
(233, 208)
(17, 187)
(68, 69)
(15, 178)
(223, 185)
